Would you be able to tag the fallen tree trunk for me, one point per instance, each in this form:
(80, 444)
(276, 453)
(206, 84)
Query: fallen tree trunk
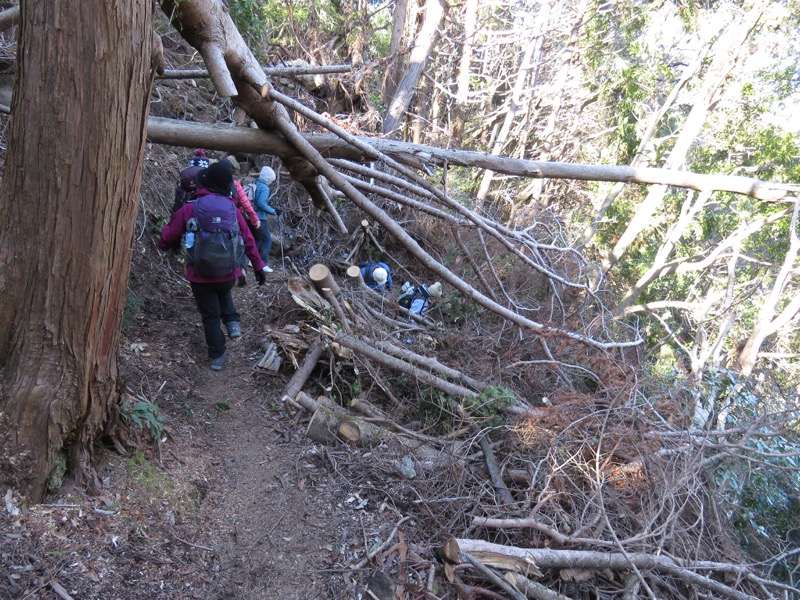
(532, 560)
(244, 139)
(399, 365)
(428, 362)
(304, 70)
(302, 374)
(331, 424)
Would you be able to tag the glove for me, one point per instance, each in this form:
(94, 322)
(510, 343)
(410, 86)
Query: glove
(261, 277)
(242, 281)
(278, 211)
(257, 225)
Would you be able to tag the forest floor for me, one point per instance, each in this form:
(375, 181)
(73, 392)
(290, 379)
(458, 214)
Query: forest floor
(234, 502)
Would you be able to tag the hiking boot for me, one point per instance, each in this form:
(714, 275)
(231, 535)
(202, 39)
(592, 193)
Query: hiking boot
(233, 329)
(268, 269)
(219, 362)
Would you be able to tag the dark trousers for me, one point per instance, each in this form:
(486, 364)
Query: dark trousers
(265, 242)
(215, 303)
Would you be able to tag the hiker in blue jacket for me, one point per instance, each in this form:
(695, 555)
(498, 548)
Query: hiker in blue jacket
(377, 275)
(263, 210)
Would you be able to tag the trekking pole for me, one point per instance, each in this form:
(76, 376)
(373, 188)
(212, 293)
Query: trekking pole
(280, 234)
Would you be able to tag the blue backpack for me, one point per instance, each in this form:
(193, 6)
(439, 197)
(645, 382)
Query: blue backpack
(412, 292)
(218, 246)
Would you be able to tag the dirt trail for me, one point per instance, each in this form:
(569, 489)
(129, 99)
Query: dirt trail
(235, 502)
(269, 505)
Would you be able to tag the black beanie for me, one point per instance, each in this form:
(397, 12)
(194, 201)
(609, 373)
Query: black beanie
(217, 178)
(226, 163)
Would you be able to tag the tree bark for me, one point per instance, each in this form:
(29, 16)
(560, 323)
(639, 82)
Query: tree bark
(434, 14)
(66, 231)
(389, 83)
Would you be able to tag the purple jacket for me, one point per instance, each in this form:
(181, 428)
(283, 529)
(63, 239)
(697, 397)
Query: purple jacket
(173, 232)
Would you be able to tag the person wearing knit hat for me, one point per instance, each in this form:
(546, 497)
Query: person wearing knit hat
(377, 275)
(214, 233)
(242, 202)
(416, 298)
(217, 178)
(199, 159)
(263, 209)
(267, 174)
(380, 275)
(186, 187)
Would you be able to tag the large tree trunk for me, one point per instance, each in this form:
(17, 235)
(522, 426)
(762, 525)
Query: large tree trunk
(389, 83)
(67, 214)
(434, 14)
(175, 132)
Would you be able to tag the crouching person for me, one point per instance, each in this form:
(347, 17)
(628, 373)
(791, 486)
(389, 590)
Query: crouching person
(417, 298)
(377, 275)
(216, 239)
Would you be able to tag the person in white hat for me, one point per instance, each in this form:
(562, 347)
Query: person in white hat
(263, 209)
(377, 275)
(417, 298)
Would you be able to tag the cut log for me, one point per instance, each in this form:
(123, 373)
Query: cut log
(325, 284)
(271, 361)
(350, 432)
(302, 374)
(321, 278)
(451, 550)
(428, 362)
(395, 363)
(333, 424)
(354, 272)
(323, 427)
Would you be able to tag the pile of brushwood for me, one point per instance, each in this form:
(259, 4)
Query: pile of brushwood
(532, 459)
